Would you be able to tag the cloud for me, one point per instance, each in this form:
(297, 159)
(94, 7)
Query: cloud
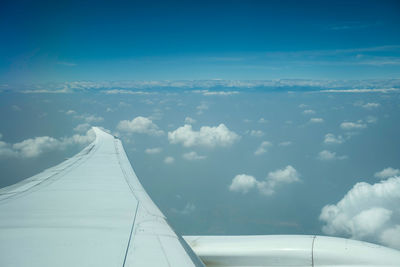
(16, 108)
(377, 90)
(140, 125)
(34, 147)
(6, 150)
(387, 172)
(371, 119)
(212, 93)
(126, 92)
(90, 118)
(256, 133)
(353, 125)
(332, 139)
(316, 120)
(262, 120)
(308, 112)
(326, 155)
(189, 120)
(169, 160)
(243, 183)
(285, 143)
(68, 64)
(303, 106)
(371, 105)
(82, 128)
(230, 87)
(154, 150)
(188, 209)
(287, 175)
(86, 117)
(70, 112)
(206, 136)
(262, 148)
(192, 156)
(350, 26)
(367, 212)
(201, 108)
(80, 139)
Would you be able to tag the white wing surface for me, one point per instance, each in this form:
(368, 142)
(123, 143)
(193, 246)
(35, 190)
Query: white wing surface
(90, 210)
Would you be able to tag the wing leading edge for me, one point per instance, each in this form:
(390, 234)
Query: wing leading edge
(90, 210)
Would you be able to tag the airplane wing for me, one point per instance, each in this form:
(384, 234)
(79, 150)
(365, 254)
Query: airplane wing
(90, 210)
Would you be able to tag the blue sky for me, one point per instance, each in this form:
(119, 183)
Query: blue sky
(46, 41)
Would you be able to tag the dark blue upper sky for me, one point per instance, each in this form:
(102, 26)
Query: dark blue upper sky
(156, 40)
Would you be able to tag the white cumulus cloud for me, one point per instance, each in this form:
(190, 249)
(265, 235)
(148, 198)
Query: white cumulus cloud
(34, 147)
(332, 139)
(82, 128)
(207, 136)
(188, 209)
(352, 125)
(371, 119)
(285, 143)
(276, 178)
(243, 183)
(6, 150)
(140, 125)
(387, 172)
(169, 160)
(189, 120)
(370, 105)
(263, 148)
(154, 150)
(201, 108)
(192, 156)
(308, 112)
(70, 112)
(256, 133)
(367, 212)
(326, 155)
(92, 118)
(316, 120)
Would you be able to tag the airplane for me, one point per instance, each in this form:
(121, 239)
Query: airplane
(91, 210)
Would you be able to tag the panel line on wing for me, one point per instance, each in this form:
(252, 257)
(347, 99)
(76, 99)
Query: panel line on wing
(130, 235)
(312, 251)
